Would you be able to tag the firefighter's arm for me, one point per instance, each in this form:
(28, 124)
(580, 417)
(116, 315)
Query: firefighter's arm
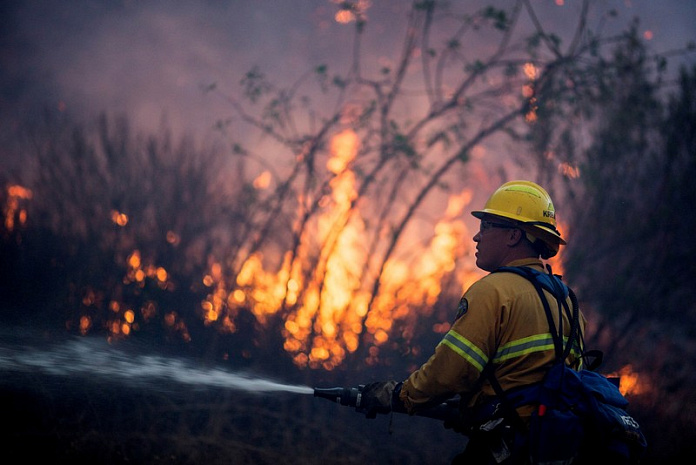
(456, 365)
(435, 381)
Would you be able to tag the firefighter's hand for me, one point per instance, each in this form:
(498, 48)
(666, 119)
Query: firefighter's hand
(377, 398)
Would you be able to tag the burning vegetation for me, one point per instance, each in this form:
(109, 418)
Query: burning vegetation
(632, 383)
(328, 311)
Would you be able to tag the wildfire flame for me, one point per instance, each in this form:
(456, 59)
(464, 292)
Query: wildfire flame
(529, 92)
(123, 321)
(631, 383)
(13, 211)
(328, 309)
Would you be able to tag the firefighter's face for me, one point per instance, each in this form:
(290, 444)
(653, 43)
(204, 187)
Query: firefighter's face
(491, 244)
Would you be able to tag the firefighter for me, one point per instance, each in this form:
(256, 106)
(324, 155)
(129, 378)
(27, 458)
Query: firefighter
(497, 322)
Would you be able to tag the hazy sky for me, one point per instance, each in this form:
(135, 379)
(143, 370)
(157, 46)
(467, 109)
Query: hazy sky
(149, 58)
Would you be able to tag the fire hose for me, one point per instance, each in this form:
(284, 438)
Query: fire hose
(447, 411)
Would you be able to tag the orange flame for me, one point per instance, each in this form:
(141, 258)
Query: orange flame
(556, 261)
(124, 318)
(325, 310)
(351, 11)
(568, 170)
(529, 92)
(263, 180)
(328, 311)
(119, 218)
(631, 383)
(13, 210)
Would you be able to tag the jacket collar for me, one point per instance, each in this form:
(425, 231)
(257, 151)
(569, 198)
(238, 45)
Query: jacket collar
(530, 262)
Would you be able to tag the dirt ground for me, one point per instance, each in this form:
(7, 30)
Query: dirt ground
(85, 421)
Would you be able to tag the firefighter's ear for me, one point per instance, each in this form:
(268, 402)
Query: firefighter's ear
(514, 236)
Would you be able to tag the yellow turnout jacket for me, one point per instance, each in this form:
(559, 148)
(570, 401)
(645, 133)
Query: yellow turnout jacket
(500, 320)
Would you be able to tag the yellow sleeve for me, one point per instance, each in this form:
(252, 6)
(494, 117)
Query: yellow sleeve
(461, 355)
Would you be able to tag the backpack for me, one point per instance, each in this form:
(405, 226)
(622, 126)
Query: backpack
(581, 415)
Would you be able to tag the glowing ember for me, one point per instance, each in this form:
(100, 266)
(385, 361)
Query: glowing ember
(344, 16)
(568, 170)
(351, 11)
(530, 71)
(263, 180)
(119, 218)
(529, 93)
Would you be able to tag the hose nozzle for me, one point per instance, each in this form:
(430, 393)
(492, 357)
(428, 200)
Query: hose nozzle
(341, 395)
(447, 411)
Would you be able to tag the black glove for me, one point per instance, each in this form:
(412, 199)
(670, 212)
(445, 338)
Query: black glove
(377, 398)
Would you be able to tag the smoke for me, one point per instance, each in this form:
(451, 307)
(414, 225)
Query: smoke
(95, 358)
(151, 59)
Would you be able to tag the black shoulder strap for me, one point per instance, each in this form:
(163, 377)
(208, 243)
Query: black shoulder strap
(560, 291)
(553, 284)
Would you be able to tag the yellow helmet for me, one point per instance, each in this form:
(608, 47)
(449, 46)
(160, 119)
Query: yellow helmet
(528, 205)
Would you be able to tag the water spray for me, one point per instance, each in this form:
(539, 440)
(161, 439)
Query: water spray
(95, 358)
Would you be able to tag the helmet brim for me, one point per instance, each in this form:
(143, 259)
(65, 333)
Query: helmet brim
(543, 233)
